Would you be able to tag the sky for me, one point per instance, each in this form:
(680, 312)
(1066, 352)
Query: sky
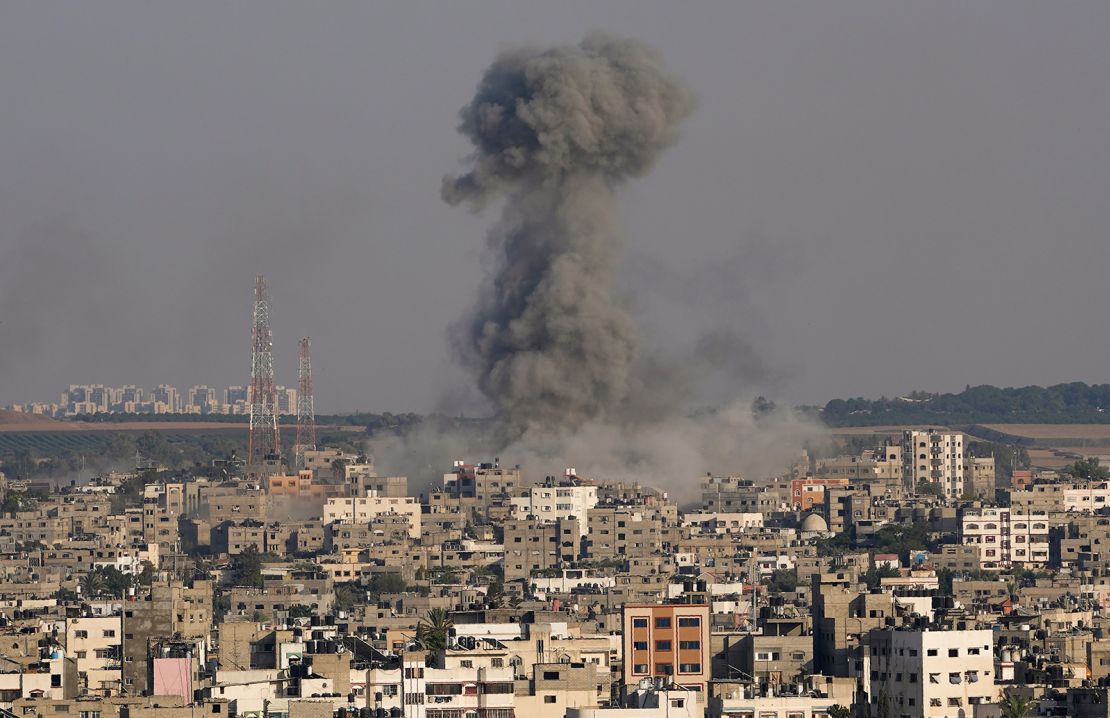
(878, 197)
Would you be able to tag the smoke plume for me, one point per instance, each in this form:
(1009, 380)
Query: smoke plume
(555, 132)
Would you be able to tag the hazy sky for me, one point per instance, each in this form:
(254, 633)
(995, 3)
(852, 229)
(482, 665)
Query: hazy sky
(880, 196)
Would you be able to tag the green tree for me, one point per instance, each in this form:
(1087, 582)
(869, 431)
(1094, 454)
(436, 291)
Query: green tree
(381, 583)
(246, 568)
(839, 711)
(92, 584)
(1015, 705)
(434, 629)
(1088, 470)
(301, 611)
(348, 596)
(495, 594)
(65, 595)
(783, 580)
(930, 488)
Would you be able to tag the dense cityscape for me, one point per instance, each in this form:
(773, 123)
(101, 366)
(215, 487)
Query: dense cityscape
(673, 303)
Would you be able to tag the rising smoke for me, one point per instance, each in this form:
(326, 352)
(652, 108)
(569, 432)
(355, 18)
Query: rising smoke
(556, 132)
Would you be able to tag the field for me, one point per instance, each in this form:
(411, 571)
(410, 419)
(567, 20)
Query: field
(1047, 435)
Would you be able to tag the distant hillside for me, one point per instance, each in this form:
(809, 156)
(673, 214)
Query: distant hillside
(1074, 403)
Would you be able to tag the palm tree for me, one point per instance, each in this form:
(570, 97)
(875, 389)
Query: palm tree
(92, 584)
(1016, 706)
(434, 629)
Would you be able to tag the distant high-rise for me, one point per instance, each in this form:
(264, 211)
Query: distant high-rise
(264, 440)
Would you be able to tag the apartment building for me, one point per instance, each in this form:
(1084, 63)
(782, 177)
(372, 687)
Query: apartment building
(667, 640)
(96, 642)
(618, 532)
(924, 673)
(551, 500)
(363, 509)
(1006, 538)
(934, 457)
(980, 477)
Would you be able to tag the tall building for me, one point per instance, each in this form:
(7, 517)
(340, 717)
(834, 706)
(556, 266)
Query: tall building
(979, 477)
(934, 457)
(922, 673)
(1006, 538)
(201, 399)
(552, 500)
(167, 396)
(669, 641)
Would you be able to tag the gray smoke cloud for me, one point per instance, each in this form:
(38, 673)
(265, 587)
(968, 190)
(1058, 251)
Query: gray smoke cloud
(556, 132)
(551, 342)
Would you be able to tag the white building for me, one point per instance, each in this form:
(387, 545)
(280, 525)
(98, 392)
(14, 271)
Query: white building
(931, 674)
(551, 501)
(363, 509)
(97, 645)
(935, 457)
(1006, 538)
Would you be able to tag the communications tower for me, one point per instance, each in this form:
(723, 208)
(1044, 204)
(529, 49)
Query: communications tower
(264, 441)
(306, 410)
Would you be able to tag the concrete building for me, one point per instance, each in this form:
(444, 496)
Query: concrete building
(363, 509)
(934, 457)
(980, 477)
(552, 501)
(922, 673)
(667, 640)
(97, 644)
(1006, 538)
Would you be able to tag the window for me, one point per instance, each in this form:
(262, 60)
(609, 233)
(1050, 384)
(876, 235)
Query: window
(663, 622)
(689, 668)
(639, 645)
(109, 633)
(931, 652)
(689, 622)
(664, 669)
(662, 645)
(640, 669)
(551, 675)
(81, 634)
(549, 699)
(639, 623)
(689, 645)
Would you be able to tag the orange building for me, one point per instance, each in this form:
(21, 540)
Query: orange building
(668, 640)
(303, 486)
(807, 493)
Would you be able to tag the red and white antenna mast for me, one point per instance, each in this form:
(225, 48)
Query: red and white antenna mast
(264, 441)
(306, 410)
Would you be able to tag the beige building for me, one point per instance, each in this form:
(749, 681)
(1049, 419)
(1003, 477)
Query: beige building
(363, 509)
(935, 457)
(1006, 538)
(931, 674)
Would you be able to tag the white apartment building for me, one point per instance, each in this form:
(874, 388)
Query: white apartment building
(931, 673)
(363, 509)
(97, 645)
(1007, 538)
(935, 457)
(551, 501)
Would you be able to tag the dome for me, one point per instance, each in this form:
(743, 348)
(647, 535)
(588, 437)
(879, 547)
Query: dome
(814, 523)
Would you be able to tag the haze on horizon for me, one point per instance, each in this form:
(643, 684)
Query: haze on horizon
(877, 198)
